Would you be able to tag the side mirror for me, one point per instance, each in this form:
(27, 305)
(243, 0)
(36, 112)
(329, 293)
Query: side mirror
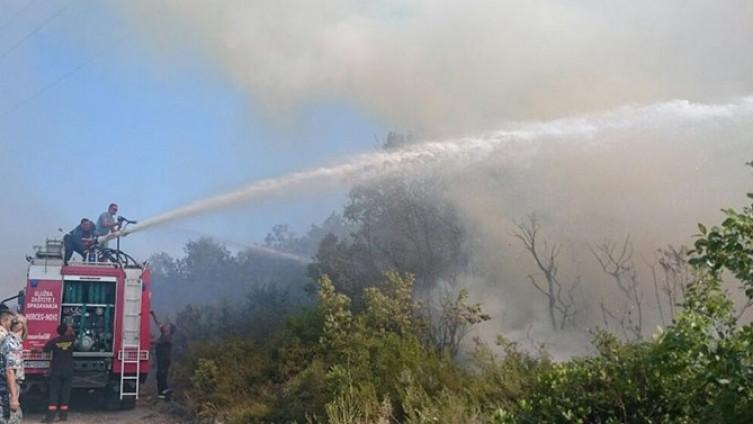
(21, 298)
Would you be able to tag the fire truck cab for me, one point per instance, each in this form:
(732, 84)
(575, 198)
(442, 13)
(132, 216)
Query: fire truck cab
(107, 301)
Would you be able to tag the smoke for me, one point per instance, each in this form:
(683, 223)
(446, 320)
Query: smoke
(446, 68)
(450, 69)
(645, 172)
(652, 181)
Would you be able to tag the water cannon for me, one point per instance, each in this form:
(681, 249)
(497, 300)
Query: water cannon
(122, 219)
(122, 232)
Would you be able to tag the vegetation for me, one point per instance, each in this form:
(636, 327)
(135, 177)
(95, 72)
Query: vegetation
(366, 349)
(328, 362)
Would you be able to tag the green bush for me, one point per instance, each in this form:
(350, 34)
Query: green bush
(332, 365)
(381, 363)
(698, 371)
(328, 364)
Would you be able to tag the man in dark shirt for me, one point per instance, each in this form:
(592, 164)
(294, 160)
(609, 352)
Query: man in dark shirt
(79, 239)
(61, 372)
(163, 350)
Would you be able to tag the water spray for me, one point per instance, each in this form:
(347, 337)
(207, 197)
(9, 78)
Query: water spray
(514, 142)
(254, 247)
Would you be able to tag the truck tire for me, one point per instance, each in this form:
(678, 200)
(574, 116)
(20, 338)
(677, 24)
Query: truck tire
(128, 403)
(113, 402)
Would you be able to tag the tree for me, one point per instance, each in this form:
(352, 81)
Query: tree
(399, 222)
(350, 266)
(406, 224)
(670, 274)
(209, 262)
(560, 297)
(618, 264)
(209, 272)
(456, 318)
(728, 246)
(284, 239)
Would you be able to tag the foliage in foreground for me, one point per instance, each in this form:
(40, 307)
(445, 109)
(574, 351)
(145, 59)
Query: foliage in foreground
(697, 371)
(377, 363)
(330, 365)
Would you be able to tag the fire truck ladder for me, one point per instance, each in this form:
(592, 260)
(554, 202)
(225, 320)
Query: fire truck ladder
(130, 347)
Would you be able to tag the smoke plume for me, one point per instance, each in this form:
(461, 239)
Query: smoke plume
(447, 68)
(450, 69)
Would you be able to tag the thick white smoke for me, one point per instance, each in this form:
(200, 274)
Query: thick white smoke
(450, 69)
(443, 67)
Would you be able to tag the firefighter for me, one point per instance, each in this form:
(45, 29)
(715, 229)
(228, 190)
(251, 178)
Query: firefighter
(79, 239)
(61, 372)
(163, 350)
(107, 223)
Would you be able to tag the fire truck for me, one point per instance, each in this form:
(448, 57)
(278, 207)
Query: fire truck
(106, 298)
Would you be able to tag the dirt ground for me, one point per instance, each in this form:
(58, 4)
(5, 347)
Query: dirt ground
(86, 410)
(148, 411)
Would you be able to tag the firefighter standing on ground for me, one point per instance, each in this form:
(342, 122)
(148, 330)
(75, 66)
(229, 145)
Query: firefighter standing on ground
(163, 349)
(61, 372)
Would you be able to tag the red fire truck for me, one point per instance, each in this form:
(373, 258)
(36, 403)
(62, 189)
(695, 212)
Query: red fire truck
(106, 299)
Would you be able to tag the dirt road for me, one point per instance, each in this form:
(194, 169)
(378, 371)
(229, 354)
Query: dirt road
(147, 411)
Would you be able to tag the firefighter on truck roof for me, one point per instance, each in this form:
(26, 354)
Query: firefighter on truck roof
(107, 223)
(79, 239)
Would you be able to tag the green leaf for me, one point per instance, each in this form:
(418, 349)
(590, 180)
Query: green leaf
(702, 228)
(696, 261)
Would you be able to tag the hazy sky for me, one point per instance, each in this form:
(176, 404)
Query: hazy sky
(89, 115)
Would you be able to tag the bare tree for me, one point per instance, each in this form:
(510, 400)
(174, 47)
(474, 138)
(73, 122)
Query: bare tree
(456, 318)
(617, 263)
(671, 275)
(560, 298)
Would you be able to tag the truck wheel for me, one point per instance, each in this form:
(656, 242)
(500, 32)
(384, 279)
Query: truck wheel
(128, 403)
(111, 400)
